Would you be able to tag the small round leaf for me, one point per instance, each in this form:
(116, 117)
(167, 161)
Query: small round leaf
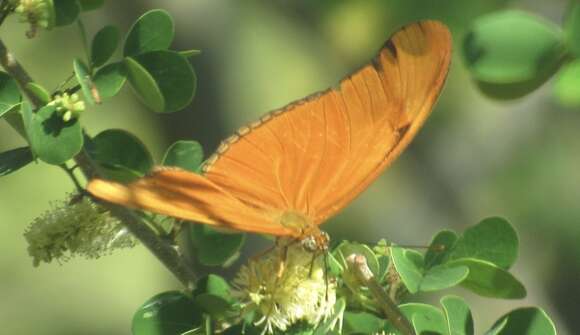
(567, 87)
(411, 273)
(87, 5)
(214, 248)
(572, 28)
(104, 45)
(511, 53)
(9, 93)
(213, 295)
(66, 11)
(426, 319)
(524, 321)
(439, 248)
(154, 30)
(493, 240)
(14, 159)
(443, 276)
(51, 139)
(489, 280)
(187, 155)
(174, 76)
(120, 155)
(110, 79)
(145, 85)
(458, 315)
(168, 313)
(39, 92)
(352, 248)
(84, 79)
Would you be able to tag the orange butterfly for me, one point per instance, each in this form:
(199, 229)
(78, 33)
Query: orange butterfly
(299, 165)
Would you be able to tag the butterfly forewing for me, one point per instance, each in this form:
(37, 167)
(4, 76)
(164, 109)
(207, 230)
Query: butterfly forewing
(315, 155)
(309, 159)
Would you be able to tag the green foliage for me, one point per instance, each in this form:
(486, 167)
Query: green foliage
(145, 85)
(110, 79)
(567, 86)
(151, 32)
(458, 316)
(104, 45)
(572, 28)
(84, 79)
(168, 313)
(493, 240)
(212, 294)
(51, 139)
(14, 159)
(66, 12)
(511, 53)
(119, 155)
(187, 155)
(9, 93)
(39, 92)
(205, 240)
(527, 321)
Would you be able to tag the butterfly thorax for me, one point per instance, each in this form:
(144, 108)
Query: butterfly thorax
(308, 233)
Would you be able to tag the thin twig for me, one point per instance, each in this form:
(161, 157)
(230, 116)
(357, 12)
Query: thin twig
(358, 263)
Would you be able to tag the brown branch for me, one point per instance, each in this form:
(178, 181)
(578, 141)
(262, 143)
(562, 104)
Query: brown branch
(358, 264)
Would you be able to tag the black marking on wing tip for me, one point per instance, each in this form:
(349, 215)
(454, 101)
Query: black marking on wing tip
(391, 47)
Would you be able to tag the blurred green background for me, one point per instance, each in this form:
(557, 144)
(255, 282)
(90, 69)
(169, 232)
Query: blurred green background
(474, 158)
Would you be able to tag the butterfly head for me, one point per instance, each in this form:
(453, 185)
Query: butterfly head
(317, 241)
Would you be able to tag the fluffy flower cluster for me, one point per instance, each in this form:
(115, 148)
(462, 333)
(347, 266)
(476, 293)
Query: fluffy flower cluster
(68, 106)
(75, 227)
(284, 290)
(36, 12)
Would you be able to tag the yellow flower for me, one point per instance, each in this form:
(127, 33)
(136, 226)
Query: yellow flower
(68, 107)
(286, 289)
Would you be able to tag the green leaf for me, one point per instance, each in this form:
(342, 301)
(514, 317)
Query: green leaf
(524, 321)
(110, 79)
(458, 316)
(439, 248)
(572, 28)
(411, 273)
(190, 53)
(145, 85)
(567, 86)
(174, 76)
(168, 313)
(489, 280)
(9, 93)
(212, 294)
(153, 31)
(426, 319)
(215, 248)
(119, 155)
(14, 159)
(347, 248)
(51, 139)
(443, 276)
(66, 11)
(104, 45)
(493, 240)
(362, 323)
(39, 92)
(87, 5)
(511, 53)
(84, 78)
(187, 155)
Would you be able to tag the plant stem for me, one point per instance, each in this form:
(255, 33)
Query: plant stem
(358, 263)
(159, 247)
